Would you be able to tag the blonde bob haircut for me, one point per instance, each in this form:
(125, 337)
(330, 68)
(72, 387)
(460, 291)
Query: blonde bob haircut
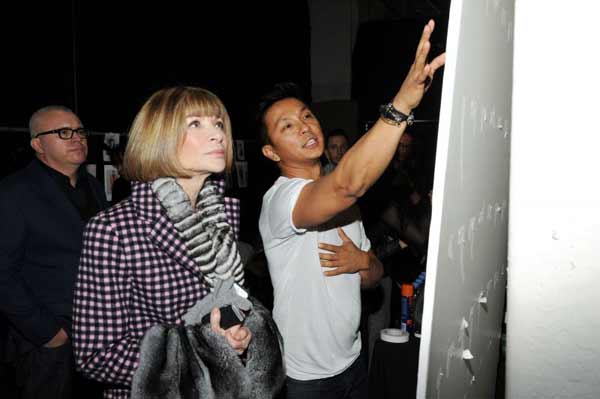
(159, 130)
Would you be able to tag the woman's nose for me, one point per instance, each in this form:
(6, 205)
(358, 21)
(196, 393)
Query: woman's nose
(218, 136)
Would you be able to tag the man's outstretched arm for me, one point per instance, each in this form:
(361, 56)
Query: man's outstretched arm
(366, 160)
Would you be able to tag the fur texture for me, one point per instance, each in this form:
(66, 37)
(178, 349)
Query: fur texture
(208, 236)
(193, 362)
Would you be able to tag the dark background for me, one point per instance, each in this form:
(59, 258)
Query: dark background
(105, 59)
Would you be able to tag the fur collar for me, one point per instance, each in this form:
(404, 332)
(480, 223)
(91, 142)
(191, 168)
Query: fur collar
(209, 238)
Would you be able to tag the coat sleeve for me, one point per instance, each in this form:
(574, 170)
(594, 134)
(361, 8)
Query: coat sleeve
(232, 211)
(17, 301)
(105, 348)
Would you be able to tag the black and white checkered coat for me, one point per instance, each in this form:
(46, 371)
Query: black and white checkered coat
(134, 273)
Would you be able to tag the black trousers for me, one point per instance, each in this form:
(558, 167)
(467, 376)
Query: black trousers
(351, 384)
(45, 373)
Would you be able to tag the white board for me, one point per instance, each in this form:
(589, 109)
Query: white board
(468, 234)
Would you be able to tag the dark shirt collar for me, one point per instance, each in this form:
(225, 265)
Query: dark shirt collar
(81, 196)
(61, 178)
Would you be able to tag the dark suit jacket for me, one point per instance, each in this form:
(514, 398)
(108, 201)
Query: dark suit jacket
(40, 243)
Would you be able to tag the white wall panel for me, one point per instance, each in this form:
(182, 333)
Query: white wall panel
(468, 236)
(553, 345)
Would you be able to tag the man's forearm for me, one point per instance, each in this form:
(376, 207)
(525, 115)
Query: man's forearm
(366, 160)
(370, 277)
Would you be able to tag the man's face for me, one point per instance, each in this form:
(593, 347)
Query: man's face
(336, 148)
(404, 150)
(294, 132)
(59, 154)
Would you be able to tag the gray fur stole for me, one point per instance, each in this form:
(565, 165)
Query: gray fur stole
(207, 234)
(194, 362)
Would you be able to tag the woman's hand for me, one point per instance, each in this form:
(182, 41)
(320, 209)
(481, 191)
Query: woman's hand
(238, 336)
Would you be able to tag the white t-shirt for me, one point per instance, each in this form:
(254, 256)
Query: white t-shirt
(318, 316)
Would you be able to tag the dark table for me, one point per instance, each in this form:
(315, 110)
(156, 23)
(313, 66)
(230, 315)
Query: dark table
(394, 368)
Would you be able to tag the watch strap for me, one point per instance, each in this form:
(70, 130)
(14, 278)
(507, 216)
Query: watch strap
(392, 116)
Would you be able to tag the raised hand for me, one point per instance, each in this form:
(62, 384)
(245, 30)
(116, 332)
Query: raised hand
(420, 74)
(345, 258)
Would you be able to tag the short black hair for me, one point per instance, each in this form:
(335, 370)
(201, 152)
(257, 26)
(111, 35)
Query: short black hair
(337, 132)
(278, 92)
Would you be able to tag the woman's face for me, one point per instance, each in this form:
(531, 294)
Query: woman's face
(204, 148)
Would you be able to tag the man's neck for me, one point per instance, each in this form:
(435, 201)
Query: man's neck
(305, 171)
(69, 171)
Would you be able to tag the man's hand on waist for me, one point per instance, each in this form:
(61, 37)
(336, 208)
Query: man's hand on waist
(59, 339)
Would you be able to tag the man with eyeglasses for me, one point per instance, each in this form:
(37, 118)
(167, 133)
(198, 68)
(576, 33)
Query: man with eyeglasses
(43, 209)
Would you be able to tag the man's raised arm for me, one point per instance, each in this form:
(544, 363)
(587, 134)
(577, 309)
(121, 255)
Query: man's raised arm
(367, 159)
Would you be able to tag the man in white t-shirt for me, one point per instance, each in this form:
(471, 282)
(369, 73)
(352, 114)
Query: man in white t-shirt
(318, 254)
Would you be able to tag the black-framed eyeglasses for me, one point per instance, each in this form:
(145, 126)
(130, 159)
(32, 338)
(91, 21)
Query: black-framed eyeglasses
(66, 133)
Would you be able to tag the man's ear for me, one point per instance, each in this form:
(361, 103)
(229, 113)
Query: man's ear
(36, 145)
(269, 152)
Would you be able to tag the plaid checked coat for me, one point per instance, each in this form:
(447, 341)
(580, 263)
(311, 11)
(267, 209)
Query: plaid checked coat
(134, 272)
